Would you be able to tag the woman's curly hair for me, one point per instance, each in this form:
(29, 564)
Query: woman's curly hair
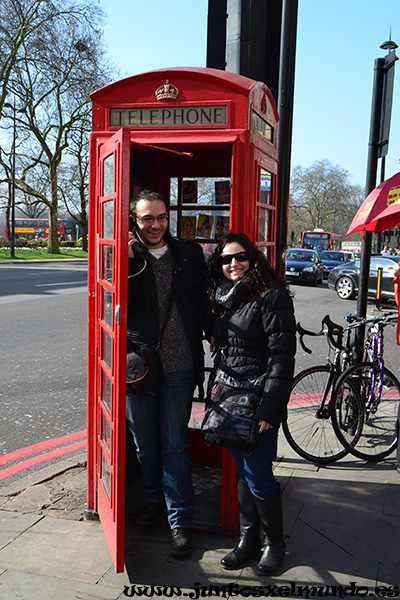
(258, 279)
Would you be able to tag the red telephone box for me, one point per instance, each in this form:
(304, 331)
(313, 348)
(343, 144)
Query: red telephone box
(206, 140)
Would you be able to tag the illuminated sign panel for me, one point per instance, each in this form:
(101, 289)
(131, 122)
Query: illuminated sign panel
(168, 116)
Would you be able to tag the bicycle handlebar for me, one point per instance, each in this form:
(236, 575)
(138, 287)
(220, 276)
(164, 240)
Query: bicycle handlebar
(333, 330)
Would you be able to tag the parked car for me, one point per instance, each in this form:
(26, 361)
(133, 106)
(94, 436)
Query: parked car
(303, 266)
(334, 258)
(345, 279)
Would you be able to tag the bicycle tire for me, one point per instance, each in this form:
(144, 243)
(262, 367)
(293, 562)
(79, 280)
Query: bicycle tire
(308, 428)
(377, 437)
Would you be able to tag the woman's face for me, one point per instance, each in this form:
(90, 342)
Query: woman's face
(235, 267)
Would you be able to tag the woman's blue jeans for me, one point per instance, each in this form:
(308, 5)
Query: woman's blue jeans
(256, 468)
(159, 425)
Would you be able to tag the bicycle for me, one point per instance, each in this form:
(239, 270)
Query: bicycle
(365, 400)
(308, 428)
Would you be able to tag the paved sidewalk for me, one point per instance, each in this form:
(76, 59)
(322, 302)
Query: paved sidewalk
(342, 523)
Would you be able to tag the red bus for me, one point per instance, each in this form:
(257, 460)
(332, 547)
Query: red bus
(321, 240)
(33, 229)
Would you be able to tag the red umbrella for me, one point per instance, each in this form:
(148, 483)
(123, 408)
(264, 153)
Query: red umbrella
(380, 209)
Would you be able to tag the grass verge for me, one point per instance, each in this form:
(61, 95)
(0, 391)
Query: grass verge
(41, 254)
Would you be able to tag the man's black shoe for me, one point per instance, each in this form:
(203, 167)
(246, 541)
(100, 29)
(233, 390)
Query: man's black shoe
(151, 514)
(181, 544)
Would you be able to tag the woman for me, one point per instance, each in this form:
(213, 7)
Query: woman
(255, 335)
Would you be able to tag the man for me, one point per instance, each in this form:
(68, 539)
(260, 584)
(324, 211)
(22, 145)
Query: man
(161, 269)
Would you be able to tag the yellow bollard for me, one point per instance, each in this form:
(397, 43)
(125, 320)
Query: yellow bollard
(378, 288)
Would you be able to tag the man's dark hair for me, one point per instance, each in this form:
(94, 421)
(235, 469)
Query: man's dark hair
(145, 195)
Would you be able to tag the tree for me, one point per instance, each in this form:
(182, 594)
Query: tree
(19, 21)
(51, 73)
(322, 197)
(76, 170)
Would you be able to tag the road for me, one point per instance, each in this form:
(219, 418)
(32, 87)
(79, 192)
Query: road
(43, 347)
(43, 352)
(313, 303)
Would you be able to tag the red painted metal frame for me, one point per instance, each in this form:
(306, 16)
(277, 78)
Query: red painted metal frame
(109, 504)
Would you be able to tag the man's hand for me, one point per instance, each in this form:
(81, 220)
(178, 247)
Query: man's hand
(132, 240)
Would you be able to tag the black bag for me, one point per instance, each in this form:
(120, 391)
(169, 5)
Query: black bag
(229, 418)
(144, 372)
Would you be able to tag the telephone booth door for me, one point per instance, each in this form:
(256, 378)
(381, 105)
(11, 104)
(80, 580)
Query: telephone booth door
(206, 140)
(107, 335)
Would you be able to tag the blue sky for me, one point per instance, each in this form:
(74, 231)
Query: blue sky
(337, 44)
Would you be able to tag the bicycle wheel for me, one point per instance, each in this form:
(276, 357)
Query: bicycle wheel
(374, 431)
(308, 428)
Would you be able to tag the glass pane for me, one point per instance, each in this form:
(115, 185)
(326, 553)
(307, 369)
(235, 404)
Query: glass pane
(173, 191)
(173, 222)
(107, 263)
(107, 307)
(206, 190)
(106, 348)
(108, 214)
(195, 224)
(108, 175)
(106, 390)
(106, 432)
(264, 225)
(200, 208)
(261, 126)
(105, 474)
(265, 187)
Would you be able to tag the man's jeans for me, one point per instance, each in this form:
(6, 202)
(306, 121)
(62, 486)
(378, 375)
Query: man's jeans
(159, 428)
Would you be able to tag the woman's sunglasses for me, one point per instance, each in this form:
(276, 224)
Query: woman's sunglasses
(226, 259)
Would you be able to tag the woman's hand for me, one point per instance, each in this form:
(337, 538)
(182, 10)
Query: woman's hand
(264, 426)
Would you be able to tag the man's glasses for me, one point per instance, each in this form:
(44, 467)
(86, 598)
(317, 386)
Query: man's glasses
(148, 219)
(226, 259)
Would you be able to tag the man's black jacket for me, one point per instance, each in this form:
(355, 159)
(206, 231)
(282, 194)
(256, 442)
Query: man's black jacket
(187, 290)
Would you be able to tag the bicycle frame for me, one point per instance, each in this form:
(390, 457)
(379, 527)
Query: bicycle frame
(375, 350)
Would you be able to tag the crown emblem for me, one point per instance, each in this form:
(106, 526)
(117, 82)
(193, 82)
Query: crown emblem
(167, 91)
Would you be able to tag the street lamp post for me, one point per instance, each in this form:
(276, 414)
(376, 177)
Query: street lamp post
(377, 148)
(12, 236)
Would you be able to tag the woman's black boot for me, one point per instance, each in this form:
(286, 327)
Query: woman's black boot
(270, 514)
(249, 544)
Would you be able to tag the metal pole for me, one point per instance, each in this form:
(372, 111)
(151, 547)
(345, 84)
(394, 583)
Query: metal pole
(372, 166)
(233, 36)
(12, 237)
(378, 237)
(285, 110)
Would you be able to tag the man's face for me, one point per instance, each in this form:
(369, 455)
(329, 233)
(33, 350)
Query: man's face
(151, 222)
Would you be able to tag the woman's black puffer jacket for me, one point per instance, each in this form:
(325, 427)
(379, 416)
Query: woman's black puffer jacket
(259, 336)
